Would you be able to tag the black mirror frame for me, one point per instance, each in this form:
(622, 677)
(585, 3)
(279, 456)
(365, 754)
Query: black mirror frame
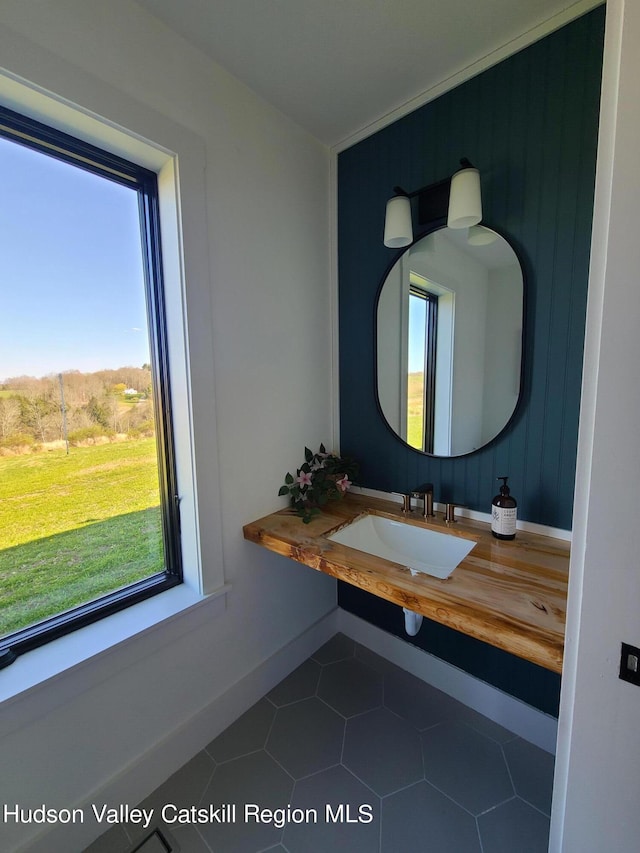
(437, 225)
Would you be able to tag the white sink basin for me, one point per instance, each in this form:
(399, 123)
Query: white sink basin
(417, 548)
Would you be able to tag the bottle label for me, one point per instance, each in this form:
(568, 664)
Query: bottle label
(503, 520)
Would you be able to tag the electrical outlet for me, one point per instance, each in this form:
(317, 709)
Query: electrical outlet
(630, 664)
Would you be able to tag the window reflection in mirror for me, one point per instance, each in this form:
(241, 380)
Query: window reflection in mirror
(421, 377)
(449, 341)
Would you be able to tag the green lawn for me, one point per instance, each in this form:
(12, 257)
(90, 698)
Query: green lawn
(415, 410)
(75, 527)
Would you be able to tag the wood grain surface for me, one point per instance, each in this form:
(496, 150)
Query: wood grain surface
(511, 594)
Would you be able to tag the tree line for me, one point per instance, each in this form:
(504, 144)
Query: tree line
(80, 407)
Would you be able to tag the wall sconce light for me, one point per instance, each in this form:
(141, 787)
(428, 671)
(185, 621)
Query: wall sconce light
(398, 230)
(465, 201)
(458, 195)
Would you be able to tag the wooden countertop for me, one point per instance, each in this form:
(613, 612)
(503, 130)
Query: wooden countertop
(511, 594)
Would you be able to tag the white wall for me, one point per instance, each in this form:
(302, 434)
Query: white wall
(261, 247)
(268, 294)
(503, 349)
(444, 264)
(598, 760)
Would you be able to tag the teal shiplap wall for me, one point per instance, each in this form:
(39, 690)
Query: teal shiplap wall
(530, 125)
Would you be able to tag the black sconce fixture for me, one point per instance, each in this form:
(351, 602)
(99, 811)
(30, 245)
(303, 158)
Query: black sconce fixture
(459, 195)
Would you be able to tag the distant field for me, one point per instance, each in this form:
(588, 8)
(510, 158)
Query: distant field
(75, 527)
(415, 410)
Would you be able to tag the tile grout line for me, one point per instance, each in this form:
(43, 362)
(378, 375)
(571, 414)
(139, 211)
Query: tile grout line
(357, 691)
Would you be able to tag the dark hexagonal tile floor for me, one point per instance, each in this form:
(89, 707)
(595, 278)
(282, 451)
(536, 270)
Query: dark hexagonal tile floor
(422, 812)
(248, 733)
(383, 750)
(350, 754)
(306, 737)
(466, 766)
(350, 687)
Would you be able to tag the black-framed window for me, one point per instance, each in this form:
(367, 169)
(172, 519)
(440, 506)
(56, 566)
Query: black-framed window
(421, 391)
(89, 512)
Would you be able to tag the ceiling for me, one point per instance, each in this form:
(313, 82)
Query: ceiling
(337, 66)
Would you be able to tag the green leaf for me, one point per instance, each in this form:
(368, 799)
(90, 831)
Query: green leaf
(322, 448)
(308, 455)
(284, 490)
(288, 479)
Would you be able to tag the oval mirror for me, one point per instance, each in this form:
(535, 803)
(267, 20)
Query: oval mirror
(449, 340)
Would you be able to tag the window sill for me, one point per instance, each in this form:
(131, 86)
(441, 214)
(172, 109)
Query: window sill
(89, 655)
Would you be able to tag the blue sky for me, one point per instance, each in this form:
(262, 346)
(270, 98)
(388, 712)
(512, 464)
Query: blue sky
(417, 331)
(71, 279)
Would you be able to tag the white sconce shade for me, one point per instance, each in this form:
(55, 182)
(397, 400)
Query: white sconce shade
(465, 203)
(398, 231)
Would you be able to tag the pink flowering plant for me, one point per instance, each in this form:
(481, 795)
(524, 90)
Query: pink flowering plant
(323, 477)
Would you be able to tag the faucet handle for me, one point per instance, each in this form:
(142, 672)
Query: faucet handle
(450, 512)
(406, 500)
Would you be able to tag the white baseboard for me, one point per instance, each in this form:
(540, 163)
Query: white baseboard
(142, 776)
(147, 771)
(527, 722)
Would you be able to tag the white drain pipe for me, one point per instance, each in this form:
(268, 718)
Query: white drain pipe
(412, 622)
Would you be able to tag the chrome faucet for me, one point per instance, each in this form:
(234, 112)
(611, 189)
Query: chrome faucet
(425, 491)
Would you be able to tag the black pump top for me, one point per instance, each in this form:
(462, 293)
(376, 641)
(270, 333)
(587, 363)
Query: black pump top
(504, 489)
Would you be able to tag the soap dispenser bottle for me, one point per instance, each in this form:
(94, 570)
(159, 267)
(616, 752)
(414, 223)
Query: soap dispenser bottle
(503, 513)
